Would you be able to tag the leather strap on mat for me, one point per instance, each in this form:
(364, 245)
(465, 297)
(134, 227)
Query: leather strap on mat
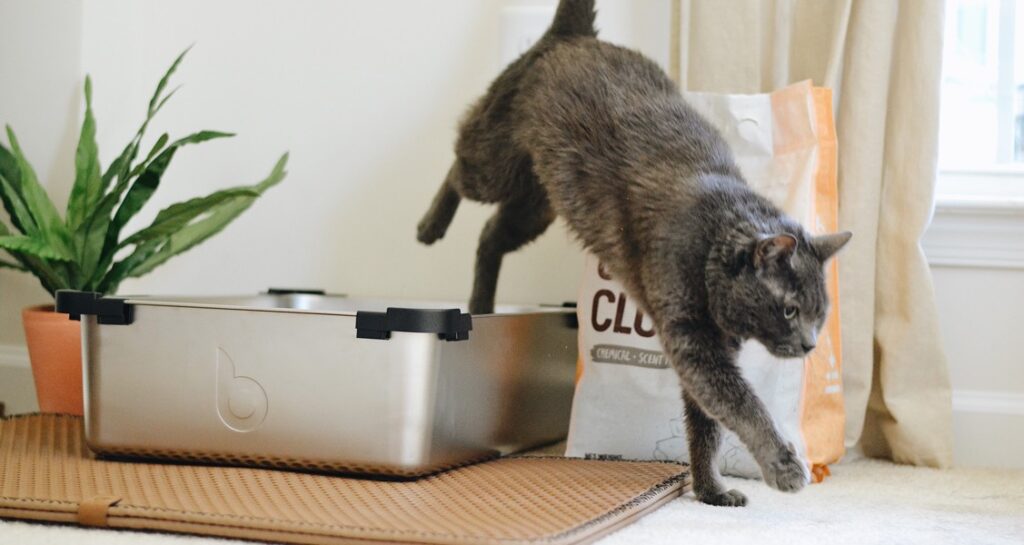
(48, 474)
(93, 511)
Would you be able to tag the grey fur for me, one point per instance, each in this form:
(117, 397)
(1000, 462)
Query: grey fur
(600, 136)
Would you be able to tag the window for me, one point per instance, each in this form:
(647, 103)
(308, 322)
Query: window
(981, 85)
(981, 140)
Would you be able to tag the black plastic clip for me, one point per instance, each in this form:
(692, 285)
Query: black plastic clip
(571, 320)
(295, 291)
(107, 310)
(450, 325)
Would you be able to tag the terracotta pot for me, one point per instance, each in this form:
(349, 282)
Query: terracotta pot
(55, 350)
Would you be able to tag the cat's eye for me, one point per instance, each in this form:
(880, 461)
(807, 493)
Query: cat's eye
(791, 312)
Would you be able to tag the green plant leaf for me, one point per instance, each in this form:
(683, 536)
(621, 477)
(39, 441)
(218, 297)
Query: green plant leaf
(158, 146)
(33, 246)
(178, 215)
(4, 231)
(99, 235)
(15, 205)
(155, 103)
(60, 274)
(191, 235)
(116, 166)
(121, 167)
(11, 196)
(88, 187)
(50, 279)
(96, 239)
(49, 229)
(120, 270)
(90, 236)
(36, 199)
(141, 190)
(149, 180)
(9, 265)
(200, 137)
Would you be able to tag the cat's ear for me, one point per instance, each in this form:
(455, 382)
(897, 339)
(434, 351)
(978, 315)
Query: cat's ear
(772, 249)
(827, 246)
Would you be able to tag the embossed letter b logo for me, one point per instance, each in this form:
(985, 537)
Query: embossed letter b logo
(241, 401)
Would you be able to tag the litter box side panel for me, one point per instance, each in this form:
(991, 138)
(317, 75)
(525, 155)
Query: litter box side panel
(511, 385)
(260, 388)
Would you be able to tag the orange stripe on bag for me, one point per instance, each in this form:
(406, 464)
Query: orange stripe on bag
(823, 414)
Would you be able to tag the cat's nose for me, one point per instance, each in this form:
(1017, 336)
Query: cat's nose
(808, 347)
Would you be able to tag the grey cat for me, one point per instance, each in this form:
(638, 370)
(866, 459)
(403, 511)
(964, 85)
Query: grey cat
(600, 136)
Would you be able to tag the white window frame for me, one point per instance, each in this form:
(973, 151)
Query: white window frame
(979, 220)
(979, 213)
(1005, 86)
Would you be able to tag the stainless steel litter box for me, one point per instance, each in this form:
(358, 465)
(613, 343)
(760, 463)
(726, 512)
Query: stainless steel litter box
(323, 383)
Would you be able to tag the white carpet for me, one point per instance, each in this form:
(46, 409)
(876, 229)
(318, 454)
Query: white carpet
(863, 503)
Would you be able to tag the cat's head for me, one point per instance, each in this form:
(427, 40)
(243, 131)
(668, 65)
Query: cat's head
(771, 287)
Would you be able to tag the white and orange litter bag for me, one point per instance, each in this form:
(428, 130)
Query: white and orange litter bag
(628, 402)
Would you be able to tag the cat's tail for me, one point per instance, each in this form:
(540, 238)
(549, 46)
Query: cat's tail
(574, 18)
(435, 222)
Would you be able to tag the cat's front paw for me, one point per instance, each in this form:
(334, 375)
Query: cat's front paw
(732, 498)
(785, 472)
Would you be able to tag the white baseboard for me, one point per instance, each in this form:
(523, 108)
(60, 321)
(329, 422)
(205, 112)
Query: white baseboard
(16, 388)
(988, 440)
(13, 355)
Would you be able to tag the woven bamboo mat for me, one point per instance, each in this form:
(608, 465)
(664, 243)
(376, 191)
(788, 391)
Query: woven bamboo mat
(48, 474)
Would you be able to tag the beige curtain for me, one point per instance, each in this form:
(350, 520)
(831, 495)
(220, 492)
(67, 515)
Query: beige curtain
(883, 59)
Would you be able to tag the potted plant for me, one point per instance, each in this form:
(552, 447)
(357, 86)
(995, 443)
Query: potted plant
(86, 249)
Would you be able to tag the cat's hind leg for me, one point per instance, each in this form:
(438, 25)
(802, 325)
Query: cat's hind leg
(435, 222)
(704, 436)
(515, 224)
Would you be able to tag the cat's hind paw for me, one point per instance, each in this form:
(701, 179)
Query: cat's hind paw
(732, 498)
(428, 232)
